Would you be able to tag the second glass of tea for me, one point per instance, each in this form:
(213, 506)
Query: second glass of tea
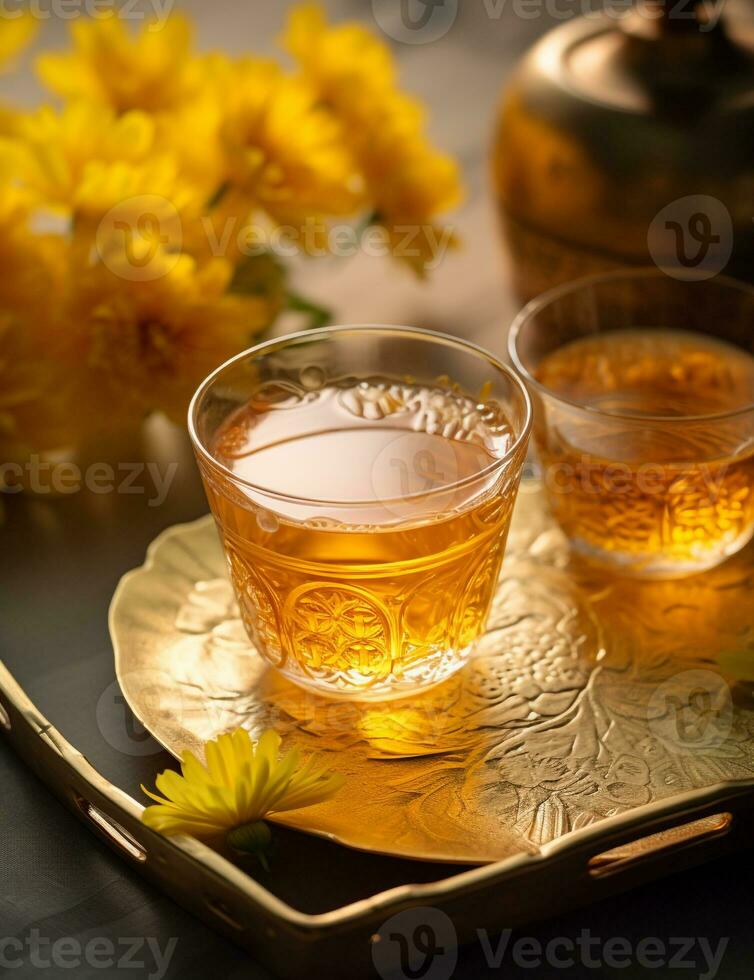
(643, 390)
(363, 479)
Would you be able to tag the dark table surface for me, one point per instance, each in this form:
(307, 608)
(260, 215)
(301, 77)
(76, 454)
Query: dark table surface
(62, 558)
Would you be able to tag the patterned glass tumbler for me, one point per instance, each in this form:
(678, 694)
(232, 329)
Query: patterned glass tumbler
(362, 480)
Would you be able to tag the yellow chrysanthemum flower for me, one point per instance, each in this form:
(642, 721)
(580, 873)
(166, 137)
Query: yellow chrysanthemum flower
(241, 784)
(229, 229)
(153, 70)
(15, 201)
(22, 390)
(338, 59)
(15, 34)
(408, 182)
(107, 185)
(142, 326)
(33, 273)
(191, 136)
(284, 148)
(32, 404)
(85, 159)
(32, 264)
(162, 168)
(9, 121)
(55, 148)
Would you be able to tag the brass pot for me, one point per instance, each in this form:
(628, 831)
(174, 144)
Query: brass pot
(627, 141)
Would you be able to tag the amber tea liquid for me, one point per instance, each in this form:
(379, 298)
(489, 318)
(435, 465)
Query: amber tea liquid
(371, 565)
(663, 497)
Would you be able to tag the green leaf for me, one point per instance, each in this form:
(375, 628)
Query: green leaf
(261, 275)
(319, 316)
(265, 275)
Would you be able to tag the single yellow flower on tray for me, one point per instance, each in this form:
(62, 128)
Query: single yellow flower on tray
(240, 785)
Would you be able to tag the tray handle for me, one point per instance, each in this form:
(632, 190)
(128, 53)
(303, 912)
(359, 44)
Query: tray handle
(688, 834)
(198, 878)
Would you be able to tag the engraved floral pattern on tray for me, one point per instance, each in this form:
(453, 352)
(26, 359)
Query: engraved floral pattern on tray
(588, 696)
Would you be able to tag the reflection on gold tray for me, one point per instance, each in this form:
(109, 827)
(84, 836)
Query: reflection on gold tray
(589, 696)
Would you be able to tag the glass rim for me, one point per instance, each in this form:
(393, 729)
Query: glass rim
(276, 343)
(550, 296)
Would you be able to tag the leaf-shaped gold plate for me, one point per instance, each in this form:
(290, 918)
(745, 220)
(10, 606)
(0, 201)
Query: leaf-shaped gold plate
(589, 696)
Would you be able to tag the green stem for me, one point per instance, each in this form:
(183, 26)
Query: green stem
(319, 316)
(218, 195)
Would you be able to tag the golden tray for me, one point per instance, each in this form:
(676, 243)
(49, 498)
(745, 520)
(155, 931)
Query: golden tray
(640, 774)
(590, 697)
